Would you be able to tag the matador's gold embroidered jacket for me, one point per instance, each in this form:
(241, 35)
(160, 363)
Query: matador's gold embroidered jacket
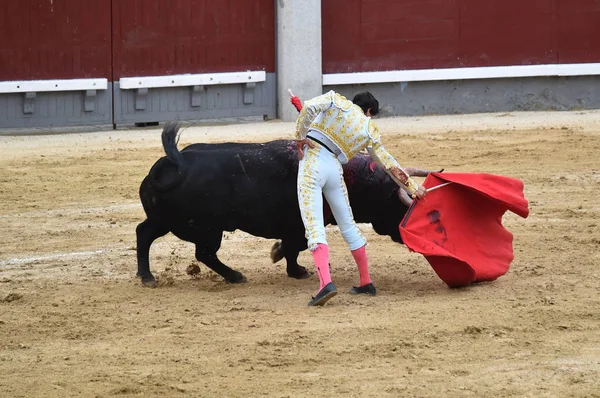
(350, 130)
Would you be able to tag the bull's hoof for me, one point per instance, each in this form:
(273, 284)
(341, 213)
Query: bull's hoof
(299, 273)
(149, 282)
(238, 278)
(276, 252)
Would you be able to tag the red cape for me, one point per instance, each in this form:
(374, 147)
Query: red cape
(458, 227)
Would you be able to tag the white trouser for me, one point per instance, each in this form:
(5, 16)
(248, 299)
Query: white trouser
(320, 173)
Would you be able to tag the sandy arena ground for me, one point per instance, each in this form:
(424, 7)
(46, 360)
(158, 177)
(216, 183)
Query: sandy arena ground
(75, 321)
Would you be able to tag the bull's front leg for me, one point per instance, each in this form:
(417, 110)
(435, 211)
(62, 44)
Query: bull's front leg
(290, 249)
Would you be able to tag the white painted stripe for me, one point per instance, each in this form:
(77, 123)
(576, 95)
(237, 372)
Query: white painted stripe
(489, 72)
(36, 86)
(202, 79)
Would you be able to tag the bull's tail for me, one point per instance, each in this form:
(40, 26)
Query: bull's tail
(169, 172)
(169, 141)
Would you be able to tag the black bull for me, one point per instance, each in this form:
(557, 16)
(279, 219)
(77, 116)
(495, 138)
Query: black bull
(209, 188)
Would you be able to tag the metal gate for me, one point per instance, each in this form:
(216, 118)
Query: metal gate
(69, 62)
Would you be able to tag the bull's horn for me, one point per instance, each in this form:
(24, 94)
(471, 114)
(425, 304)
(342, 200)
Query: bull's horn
(414, 172)
(404, 198)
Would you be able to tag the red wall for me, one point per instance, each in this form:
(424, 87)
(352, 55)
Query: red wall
(162, 37)
(371, 35)
(43, 39)
(578, 31)
(54, 39)
(50, 39)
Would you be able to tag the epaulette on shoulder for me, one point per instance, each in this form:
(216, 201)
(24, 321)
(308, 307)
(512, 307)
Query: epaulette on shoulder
(374, 131)
(341, 102)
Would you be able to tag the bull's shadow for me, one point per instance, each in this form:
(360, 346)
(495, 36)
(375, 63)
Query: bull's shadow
(206, 189)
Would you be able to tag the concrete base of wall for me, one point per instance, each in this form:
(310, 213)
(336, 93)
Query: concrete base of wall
(73, 108)
(50, 109)
(183, 103)
(474, 96)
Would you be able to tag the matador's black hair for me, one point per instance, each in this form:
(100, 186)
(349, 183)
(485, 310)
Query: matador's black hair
(367, 101)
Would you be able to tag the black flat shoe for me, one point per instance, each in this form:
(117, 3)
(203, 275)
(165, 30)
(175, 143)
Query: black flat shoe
(324, 295)
(366, 289)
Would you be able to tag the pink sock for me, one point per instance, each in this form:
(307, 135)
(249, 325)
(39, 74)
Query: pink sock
(321, 257)
(360, 256)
